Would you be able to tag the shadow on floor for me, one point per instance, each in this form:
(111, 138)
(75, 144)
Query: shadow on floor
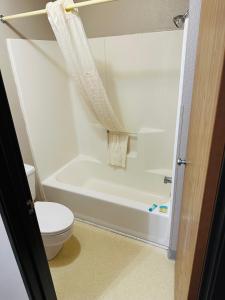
(68, 254)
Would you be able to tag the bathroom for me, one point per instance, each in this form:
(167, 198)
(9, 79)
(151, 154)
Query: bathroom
(129, 214)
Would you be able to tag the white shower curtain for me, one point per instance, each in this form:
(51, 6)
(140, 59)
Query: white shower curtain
(72, 40)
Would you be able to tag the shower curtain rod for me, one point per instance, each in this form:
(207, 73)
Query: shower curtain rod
(44, 11)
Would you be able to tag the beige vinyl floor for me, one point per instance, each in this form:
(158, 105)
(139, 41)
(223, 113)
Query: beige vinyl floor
(98, 264)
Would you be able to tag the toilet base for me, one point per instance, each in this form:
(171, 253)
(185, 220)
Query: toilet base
(53, 243)
(52, 251)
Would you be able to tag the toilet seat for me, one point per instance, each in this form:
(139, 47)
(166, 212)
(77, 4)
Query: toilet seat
(53, 218)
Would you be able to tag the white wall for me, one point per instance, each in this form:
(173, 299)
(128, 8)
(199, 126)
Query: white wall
(131, 16)
(141, 75)
(43, 91)
(11, 283)
(27, 28)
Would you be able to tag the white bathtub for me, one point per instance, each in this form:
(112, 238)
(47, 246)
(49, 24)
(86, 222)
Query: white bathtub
(108, 197)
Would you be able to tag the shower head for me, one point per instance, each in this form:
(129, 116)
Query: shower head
(180, 20)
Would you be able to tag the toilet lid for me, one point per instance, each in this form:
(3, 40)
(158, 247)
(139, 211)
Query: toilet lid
(53, 218)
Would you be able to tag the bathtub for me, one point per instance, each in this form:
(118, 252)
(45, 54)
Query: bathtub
(107, 197)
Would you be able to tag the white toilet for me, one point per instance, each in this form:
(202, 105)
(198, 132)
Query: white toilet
(55, 220)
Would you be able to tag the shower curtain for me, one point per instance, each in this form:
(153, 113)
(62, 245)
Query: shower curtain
(72, 40)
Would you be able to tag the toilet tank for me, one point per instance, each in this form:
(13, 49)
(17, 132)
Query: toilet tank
(30, 171)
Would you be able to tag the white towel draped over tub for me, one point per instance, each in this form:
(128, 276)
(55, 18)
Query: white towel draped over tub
(72, 40)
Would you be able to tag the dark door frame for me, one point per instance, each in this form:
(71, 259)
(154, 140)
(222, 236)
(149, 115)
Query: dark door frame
(17, 211)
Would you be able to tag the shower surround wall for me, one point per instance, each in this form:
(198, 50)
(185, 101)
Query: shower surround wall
(141, 75)
(43, 90)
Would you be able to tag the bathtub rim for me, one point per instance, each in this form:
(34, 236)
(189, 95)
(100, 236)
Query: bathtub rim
(53, 182)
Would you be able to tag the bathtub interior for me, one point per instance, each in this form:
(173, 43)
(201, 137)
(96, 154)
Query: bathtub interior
(95, 176)
(69, 145)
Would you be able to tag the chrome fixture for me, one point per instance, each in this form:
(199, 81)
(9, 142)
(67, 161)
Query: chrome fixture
(180, 20)
(1, 18)
(167, 179)
(181, 162)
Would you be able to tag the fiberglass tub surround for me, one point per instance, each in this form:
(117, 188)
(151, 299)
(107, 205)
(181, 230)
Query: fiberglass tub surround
(70, 147)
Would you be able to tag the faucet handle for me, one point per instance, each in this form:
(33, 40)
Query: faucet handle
(168, 179)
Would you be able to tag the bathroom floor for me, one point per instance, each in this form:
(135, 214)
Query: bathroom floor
(99, 264)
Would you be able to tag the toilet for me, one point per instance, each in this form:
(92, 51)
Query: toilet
(55, 220)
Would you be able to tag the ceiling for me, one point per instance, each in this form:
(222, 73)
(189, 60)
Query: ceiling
(131, 16)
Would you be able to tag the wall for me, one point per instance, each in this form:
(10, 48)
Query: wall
(120, 17)
(43, 91)
(36, 28)
(11, 283)
(99, 20)
(131, 16)
(143, 87)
